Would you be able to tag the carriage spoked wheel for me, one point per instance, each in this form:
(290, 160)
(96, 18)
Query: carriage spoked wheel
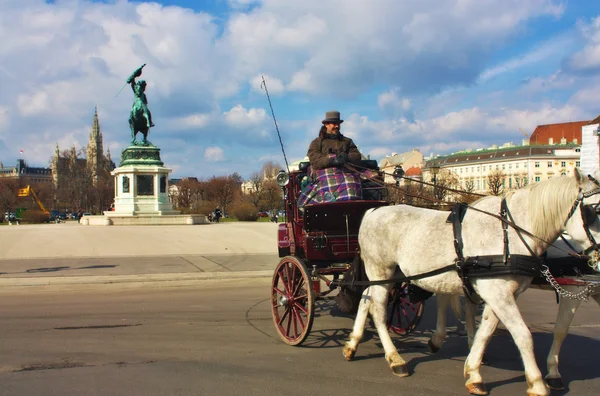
(292, 301)
(402, 315)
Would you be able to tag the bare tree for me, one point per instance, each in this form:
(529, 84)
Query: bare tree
(271, 196)
(521, 180)
(495, 182)
(469, 185)
(444, 180)
(223, 190)
(270, 169)
(8, 195)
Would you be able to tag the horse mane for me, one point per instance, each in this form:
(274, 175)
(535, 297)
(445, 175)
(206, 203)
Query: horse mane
(550, 203)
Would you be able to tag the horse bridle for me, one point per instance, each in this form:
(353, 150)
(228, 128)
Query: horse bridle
(589, 215)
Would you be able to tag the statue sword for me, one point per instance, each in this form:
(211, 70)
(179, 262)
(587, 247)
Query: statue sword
(121, 90)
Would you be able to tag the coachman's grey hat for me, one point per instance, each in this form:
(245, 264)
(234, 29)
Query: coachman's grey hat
(332, 116)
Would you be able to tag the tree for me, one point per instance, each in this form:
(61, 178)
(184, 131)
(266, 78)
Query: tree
(521, 180)
(270, 169)
(469, 185)
(444, 180)
(8, 195)
(256, 186)
(223, 190)
(495, 182)
(271, 196)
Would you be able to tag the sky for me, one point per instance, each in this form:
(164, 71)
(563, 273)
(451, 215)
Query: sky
(436, 75)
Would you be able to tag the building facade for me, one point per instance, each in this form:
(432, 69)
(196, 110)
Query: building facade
(95, 162)
(25, 173)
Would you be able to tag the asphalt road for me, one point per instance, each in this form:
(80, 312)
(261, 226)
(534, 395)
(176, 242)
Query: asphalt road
(217, 338)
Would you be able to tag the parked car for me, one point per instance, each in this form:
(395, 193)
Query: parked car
(263, 214)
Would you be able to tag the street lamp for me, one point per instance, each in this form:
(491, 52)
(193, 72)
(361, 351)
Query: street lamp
(435, 169)
(398, 174)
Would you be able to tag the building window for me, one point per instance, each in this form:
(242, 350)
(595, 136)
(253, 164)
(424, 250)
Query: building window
(549, 164)
(517, 165)
(577, 150)
(578, 163)
(510, 182)
(537, 178)
(537, 164)
(503, 166)
(563, 163)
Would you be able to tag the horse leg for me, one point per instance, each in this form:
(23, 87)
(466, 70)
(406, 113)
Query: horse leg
(132, 129)
(359, 324)
(489, 322)
(378, 313)
(504, 305)
(470, 311)
(566, 312)
(437, 339)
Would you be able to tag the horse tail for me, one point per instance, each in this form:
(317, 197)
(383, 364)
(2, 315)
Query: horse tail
(456, 306)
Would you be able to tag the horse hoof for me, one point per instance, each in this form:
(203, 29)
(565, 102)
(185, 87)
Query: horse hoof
(555, 384)
(477, 389)
(432, 347)
(400, 370)
(349, 353)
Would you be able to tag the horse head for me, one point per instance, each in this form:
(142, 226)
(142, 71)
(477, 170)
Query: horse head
(583, 224)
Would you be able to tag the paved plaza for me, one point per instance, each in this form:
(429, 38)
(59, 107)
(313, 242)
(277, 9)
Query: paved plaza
(70, 253)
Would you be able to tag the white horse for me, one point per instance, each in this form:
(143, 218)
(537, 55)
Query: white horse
(418, 241)
(567, 308)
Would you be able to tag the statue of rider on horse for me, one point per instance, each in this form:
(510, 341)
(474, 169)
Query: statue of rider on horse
(140, 118)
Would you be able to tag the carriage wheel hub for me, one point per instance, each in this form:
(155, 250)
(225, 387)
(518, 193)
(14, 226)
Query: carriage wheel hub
(284, 301)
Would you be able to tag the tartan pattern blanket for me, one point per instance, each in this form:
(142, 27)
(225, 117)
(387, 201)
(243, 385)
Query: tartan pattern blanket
(331, 185)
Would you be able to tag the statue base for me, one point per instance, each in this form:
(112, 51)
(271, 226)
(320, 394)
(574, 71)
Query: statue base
(142, 192)
(141, 153)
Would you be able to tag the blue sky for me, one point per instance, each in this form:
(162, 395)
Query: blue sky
(437, 75)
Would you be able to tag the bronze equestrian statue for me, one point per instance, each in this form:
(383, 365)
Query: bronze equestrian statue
(140, 118)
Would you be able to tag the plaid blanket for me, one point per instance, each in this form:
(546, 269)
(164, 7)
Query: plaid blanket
(331, 185)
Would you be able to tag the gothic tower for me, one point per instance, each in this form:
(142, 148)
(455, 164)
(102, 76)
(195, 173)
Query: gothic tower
(95, 151)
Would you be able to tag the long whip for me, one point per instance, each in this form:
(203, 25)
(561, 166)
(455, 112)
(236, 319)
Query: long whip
(264, 85)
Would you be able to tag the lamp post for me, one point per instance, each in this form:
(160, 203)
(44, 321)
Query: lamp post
(435, 169)
(398, 174)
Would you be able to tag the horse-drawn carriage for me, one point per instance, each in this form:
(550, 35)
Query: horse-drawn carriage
(317, 244)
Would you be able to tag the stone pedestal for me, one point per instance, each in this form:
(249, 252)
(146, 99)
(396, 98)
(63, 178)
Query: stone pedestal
(142, 192)
(141, 183)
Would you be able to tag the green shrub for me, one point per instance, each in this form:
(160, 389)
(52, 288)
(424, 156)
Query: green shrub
(245, 211)
(35, 217)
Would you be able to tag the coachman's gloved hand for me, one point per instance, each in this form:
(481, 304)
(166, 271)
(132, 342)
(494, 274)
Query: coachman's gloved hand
(340, 159)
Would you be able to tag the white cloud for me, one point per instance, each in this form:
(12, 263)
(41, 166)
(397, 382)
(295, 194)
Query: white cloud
(196, 121)
(550, 49)
(274, 85)
(589, 57)
(238, 116)
(214, 154)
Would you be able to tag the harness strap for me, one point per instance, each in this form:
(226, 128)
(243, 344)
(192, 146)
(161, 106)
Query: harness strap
(396, 279)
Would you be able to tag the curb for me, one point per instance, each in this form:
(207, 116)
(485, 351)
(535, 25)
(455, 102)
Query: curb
(123, 279)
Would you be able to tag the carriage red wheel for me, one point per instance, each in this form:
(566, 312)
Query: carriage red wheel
(292, 301)
(402, 315)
